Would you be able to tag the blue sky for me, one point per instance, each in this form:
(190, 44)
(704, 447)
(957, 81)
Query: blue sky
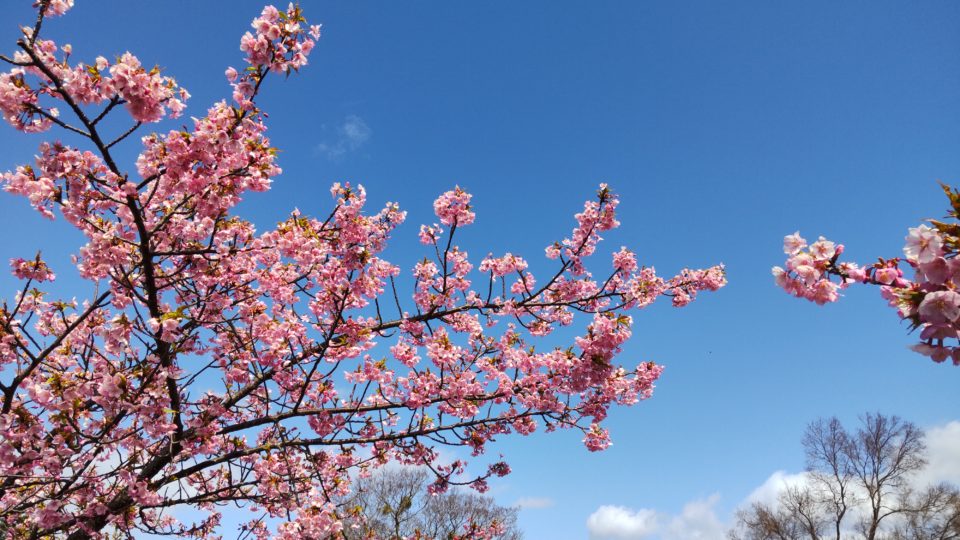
(722, 127)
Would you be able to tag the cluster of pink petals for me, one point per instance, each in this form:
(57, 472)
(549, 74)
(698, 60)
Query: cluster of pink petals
(597, 217)
(931, 301)
(148, 95)
(36, 270)
(55, 8)
(281, 40)
(807, 269)
(597, 439)
(315, 519)
(281, 43)
(685, 286)
(18, 103)
(453, 208)
(502, 266)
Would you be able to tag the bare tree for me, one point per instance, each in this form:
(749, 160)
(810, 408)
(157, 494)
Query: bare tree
(934, 515)
(394, 504)
(857, 487)
(826, 445)
(797, 516)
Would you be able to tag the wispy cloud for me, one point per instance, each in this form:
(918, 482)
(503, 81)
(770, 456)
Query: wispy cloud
(351, 135)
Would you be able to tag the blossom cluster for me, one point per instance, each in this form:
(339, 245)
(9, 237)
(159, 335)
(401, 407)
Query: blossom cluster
(930, 300)
(54, 8)
(281, 42)
(807, 270)
(282, 39)
(36, 270)
(18, 103)
(147, 95)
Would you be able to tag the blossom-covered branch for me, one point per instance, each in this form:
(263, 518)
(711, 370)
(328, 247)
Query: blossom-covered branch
(214, 364)
(929, 301)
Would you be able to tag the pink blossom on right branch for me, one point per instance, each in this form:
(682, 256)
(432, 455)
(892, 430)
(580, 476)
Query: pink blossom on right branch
(930, 300)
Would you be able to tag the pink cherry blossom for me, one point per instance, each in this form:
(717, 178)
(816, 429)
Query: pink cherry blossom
(148, 95)
(937, 353)
(936, 271)
(793, 243)
(923, 244)
(19, 103)
(36, 270)
(823, 249)
(597, 439)
(940, 307)
(625, 260)
(55, 7)
(886, 275)
(453, 207)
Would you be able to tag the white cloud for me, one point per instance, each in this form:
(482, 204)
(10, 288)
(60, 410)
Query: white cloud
(768, 491)
(620, 523)
(532, 503)
(943, 453)
(351, 135)
(697, 521)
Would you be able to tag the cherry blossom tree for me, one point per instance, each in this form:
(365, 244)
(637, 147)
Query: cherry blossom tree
(930, 301)
(208, 364)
